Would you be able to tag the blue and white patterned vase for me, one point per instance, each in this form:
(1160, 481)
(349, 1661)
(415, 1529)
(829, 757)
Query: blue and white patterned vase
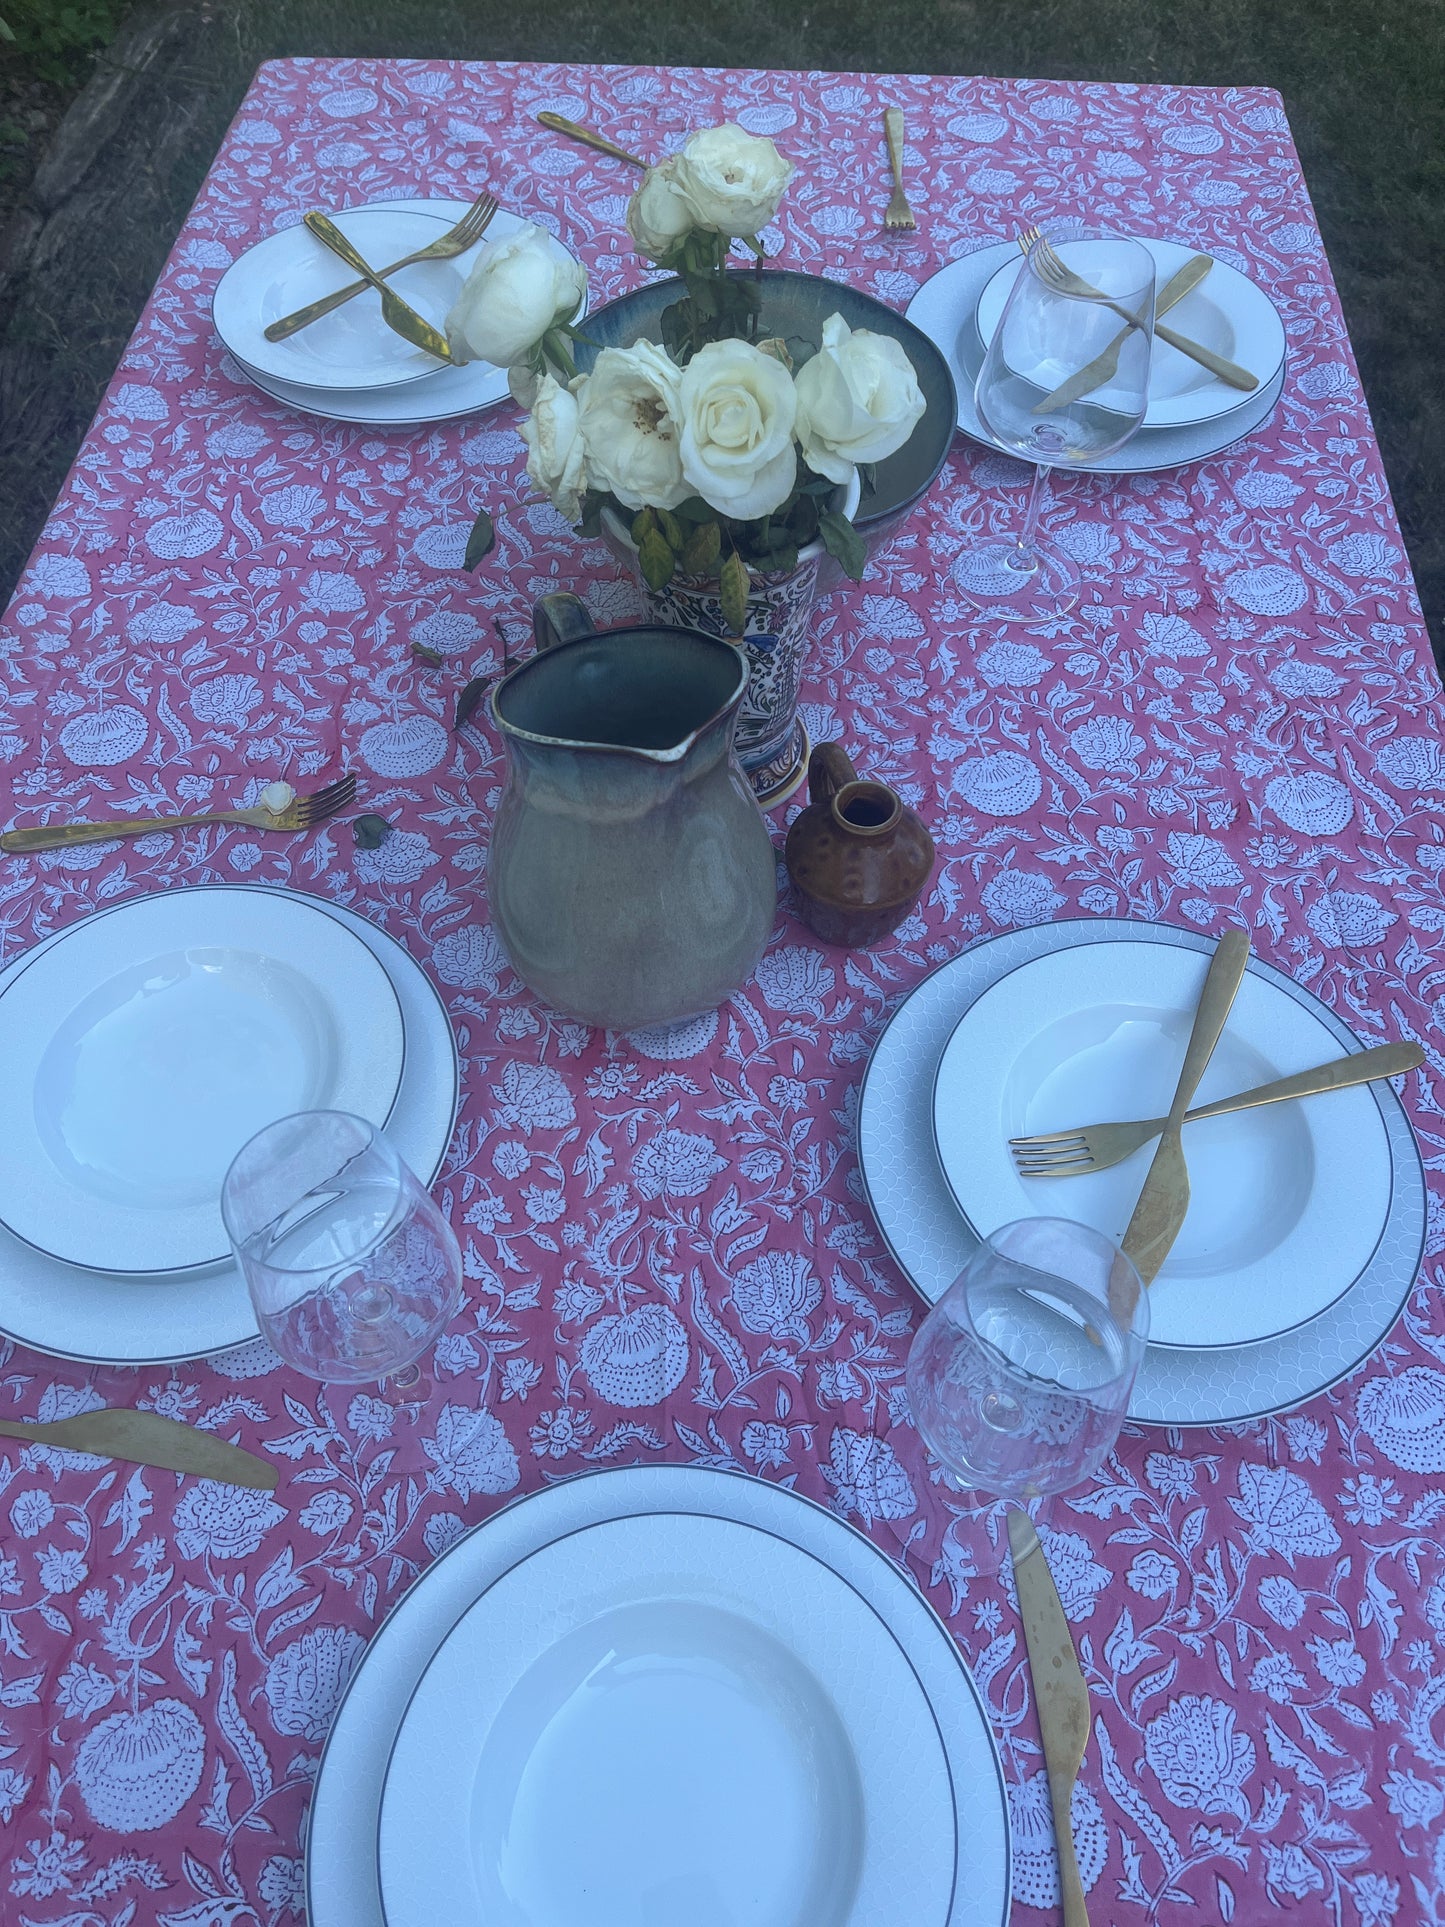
(772, 742)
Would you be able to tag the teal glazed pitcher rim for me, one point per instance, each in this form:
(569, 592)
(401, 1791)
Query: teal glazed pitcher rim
(562, 612)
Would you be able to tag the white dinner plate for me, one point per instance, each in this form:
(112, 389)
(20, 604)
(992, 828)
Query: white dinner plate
(352, 347)
(152, 1041)
(341, 1880)
(931, 1241)
(160, 1318)
(668, 1718)
(1286, 1203)
(447, 394)
(945, 307)
(1226, 312)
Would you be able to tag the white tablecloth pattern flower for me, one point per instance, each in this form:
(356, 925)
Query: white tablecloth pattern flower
(667, 1251)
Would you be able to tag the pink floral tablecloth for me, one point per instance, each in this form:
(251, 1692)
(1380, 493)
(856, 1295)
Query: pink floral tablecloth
(667, 1252)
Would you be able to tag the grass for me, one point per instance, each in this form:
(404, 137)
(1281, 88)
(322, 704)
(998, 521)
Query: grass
(1364, 86)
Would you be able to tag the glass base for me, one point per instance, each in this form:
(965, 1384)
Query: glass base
(993, 577)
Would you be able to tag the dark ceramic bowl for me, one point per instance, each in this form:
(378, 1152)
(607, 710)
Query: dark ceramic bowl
(799, 304)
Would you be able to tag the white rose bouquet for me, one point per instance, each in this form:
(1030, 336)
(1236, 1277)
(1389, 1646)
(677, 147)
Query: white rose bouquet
(721, 451)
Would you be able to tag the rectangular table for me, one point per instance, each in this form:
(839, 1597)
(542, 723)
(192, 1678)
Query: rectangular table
(1242, 724)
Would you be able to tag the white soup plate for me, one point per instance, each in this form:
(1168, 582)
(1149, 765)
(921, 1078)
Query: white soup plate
(931, 1240)
(1226, 312)
(1286, 1202)
(879, 1614)
(668, 1718)
(160, 1317)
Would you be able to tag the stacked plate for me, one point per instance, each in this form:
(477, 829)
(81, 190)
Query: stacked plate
(1306, 1221)
(142, 1047)
(349, 366)
(657, 1695)
(1191, 413)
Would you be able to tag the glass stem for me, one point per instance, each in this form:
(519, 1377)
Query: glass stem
(1027, 542)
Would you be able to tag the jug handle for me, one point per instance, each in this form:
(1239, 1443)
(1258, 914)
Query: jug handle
(829, 769)
(560, 618)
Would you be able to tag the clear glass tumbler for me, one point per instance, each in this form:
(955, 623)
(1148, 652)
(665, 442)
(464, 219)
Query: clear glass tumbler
(352, 1269)
(1083, 301)
(1019, 1378)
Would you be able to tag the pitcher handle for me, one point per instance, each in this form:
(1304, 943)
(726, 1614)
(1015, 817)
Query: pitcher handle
(829, 768)
(560, 618)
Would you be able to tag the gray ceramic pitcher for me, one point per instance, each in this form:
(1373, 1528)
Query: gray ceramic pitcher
(631, 876)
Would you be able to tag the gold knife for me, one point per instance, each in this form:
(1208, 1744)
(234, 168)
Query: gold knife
(145, 1438)
(559, 124)
(1103, 367)
(398, 315)
(1061, 1697)
(1165, 1197)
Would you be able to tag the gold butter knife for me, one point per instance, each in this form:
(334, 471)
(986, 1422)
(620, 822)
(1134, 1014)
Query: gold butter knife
(559, 124)
(1061, 1697)
(1103, 367)
(145, 1438)
(1164, 1199)
(398, 315)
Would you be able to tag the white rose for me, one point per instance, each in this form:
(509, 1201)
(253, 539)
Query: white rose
(659, 215)
(858, 400)
(738, 410)
(632, 426)
(733, 180)
(519, 289)
(556, 455)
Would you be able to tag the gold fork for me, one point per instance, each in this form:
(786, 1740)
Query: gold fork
(1094, 1147)
(467, 232)
(302, 814)
(1063, 278)
(898, 219)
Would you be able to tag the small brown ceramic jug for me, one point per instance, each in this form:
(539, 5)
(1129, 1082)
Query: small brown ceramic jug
(858, 858)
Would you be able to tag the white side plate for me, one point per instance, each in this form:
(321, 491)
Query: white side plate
(944, 308)
(1226, 312)
(668, 1717)
(152, 1041)
(931, 1241)
(1287, 1202)
(341, 1885)
(160, 1318)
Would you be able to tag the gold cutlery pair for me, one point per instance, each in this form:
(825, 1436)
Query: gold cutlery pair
(1061, 277)
(1094, 1147)
(457, 240)
(398, 315)
(145, 1438)
(304, 813)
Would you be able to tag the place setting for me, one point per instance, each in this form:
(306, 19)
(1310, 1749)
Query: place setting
(345, 315)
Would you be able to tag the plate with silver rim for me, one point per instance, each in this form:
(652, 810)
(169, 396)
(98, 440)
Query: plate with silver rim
(1287, 1202)
(730, 1731)
(152, 1041)
(945, 308)
(341, 1860)
(931, 1241)
(162, 1318)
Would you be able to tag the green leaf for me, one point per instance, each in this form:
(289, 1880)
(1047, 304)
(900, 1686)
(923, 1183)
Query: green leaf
(428, 656)
(733, 582)
(469, 698)
(657, 558)
(370, 832)
(672, 530)
(643, 523)
(481, 541)
(703, 550)
(694, 509)
(843, 543)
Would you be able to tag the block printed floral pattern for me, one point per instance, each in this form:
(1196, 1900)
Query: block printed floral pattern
(667, 1249)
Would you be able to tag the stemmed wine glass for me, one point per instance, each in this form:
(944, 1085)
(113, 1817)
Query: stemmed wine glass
(352, 1269)
(1081, 295)
(1019, 1378)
